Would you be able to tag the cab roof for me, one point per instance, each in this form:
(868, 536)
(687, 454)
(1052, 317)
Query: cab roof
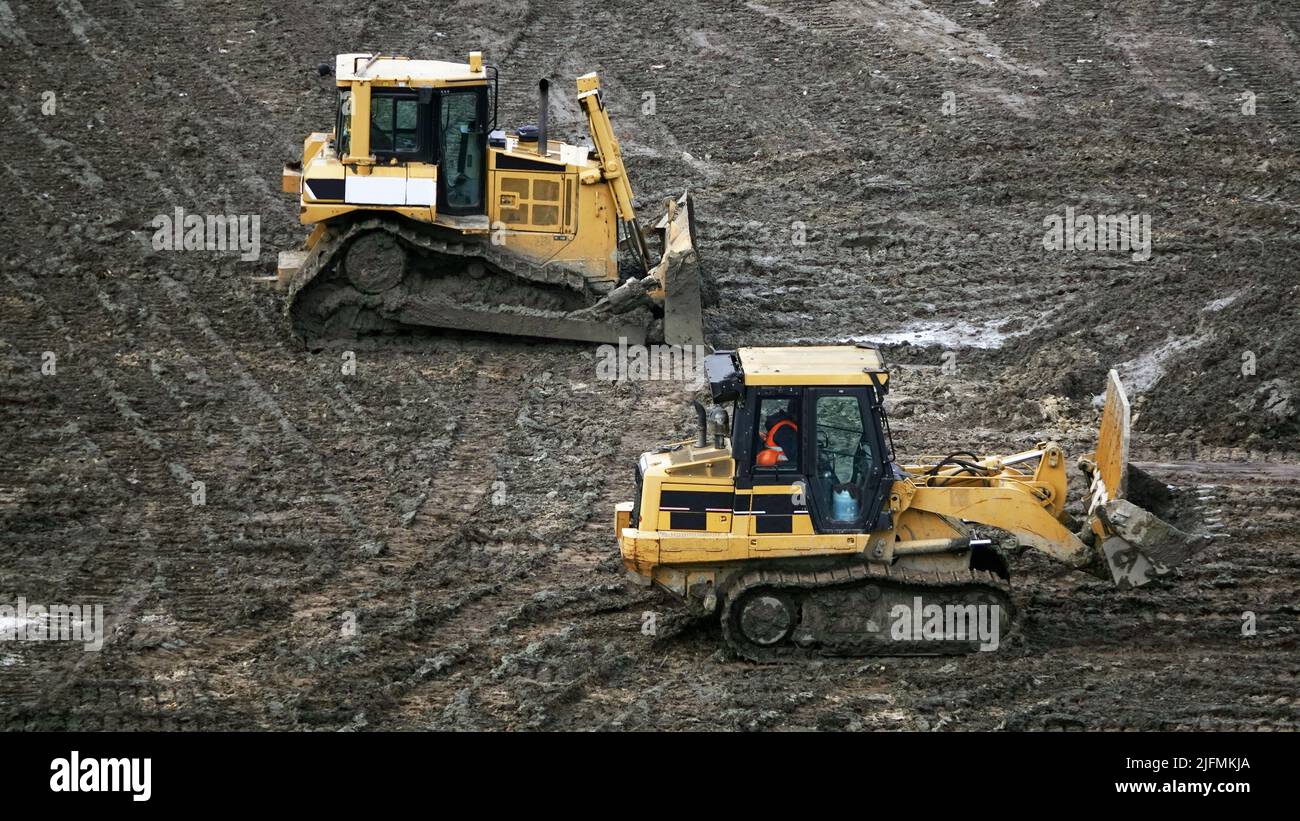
(813, 365)
(729, 372)
(383, 69)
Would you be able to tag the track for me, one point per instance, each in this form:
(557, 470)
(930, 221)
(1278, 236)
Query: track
(793, 615)
(377, 276)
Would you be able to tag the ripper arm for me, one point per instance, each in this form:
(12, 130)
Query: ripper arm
(612, 170)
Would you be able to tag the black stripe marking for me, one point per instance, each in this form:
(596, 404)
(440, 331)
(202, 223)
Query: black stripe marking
(781, 504)
(325, 189)
(678, 520)
(774, 524)
(505, 162)
(696, 500)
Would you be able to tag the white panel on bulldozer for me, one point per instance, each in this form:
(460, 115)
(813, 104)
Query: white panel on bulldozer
(421, 191)
(374, 190)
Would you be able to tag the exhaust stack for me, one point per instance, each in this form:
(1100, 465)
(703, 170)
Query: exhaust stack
(702, 438)
(543, 104)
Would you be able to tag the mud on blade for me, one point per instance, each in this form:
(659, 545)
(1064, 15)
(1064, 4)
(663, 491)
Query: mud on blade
(1134, 543)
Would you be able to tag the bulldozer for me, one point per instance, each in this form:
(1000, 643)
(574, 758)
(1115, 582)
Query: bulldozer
(789, 518)
(425, 214)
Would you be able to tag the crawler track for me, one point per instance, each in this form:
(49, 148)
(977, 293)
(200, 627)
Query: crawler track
(376, 275)
(850, 611)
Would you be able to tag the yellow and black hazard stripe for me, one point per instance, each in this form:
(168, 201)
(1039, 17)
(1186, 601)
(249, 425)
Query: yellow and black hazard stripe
(775, 512)
(690, 509)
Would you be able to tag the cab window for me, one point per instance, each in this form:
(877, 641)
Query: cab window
(343, 126)
(461, 134)
(846, 458)
(394, 124)
(777, 431)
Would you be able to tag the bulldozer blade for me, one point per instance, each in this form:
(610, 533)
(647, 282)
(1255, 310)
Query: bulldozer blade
(679, 273)
(1142, 545)
(1135, 544)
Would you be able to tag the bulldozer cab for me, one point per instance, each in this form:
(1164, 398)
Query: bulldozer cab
(437, 127)
(824, 444)
(801, 435)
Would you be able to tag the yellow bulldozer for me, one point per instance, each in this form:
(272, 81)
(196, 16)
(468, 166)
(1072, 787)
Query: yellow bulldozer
(425, 214)
(790, 519)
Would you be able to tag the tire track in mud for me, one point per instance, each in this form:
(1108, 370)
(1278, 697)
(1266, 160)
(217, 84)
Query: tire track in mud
(170, 331)
(117, 398)
(179, 294)
(261, 396)
(447, 546)
(482, 623)
(80, 21)
(258, 394)
(546, 636)
(189, 601)
(189, 190)
(53, 513)
(362, 586)
(178, 589)
(119, 604)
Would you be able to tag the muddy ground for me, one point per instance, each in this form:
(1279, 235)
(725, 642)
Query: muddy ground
(454, 496)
